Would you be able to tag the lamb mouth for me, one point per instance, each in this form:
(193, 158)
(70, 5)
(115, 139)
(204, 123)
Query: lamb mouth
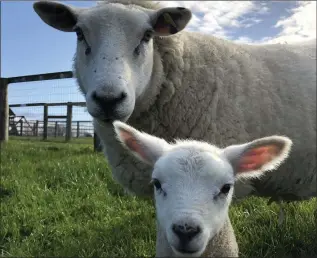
(184, 251)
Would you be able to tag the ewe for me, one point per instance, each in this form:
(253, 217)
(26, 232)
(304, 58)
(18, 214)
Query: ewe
(193, 184)
(135, 63)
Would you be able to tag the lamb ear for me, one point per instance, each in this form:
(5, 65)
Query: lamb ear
(143, 146)
(59, 16)
(254, 158)
(170, 20)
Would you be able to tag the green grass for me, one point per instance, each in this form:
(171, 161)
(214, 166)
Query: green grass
(59, 199)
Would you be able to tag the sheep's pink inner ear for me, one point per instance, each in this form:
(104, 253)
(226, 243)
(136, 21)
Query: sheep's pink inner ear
(132, 143)
(256, 157)
(165, 24)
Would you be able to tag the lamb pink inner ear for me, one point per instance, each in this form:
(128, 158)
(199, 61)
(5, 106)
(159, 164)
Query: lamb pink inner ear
(131, 142)
(256, 157)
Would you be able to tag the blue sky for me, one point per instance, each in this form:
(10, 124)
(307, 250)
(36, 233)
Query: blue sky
(29, 46)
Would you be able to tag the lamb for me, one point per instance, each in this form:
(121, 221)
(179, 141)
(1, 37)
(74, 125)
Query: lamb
(193, 186)
(135, 63)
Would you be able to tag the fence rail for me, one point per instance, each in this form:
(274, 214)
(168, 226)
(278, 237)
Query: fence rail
(80, 104)
(46, 116)
(51, 125)
(55, 129)
(41, 77)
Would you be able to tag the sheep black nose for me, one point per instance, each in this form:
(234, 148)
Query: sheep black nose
(185, 232)
(108, 103)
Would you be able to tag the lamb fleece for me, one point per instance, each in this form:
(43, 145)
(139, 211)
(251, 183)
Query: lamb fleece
(223, 244)
(214, 90)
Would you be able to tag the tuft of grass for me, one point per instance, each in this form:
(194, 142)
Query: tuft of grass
(60, 199)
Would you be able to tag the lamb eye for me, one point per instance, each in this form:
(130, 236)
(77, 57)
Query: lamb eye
(148, 35)
(79, 33)
(157, 184)
(225, 189)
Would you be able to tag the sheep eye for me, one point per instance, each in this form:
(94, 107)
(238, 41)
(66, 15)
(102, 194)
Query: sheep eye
(225, 189)
(81, 37)
(137, 50)
(146, 38)
(157, 184)
(148, 35)
(79, 33)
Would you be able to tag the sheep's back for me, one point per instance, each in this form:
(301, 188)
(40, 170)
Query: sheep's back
(227, 93)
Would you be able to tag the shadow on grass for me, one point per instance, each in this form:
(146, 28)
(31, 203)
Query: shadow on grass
(81, 151)
(127, 237)
(261, 236)
(4, 193)
(286, 244)
(115, 189)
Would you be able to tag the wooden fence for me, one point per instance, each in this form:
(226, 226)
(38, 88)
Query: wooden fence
(46, 115)
(4, 106)
(56, 129)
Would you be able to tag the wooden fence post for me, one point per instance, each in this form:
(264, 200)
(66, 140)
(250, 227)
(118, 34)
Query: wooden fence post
(77, 129)
(37, 128)
(69, 121)
(55, 130)
(45, 119)
(4, 110)
(97, 143)
(21, 128)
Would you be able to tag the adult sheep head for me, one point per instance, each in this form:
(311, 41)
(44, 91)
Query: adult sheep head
(194, 181)
(114, 56)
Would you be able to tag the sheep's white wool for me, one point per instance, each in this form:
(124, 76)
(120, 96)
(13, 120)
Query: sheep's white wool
(191, 85)
(193, 186)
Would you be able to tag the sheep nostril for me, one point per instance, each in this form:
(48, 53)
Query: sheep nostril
(94, 96)
(123, 96)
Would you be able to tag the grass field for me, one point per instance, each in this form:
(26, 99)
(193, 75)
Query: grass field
(59, 199)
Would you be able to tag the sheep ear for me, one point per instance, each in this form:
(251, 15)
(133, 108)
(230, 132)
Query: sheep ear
(171, 20)
(143, 146)
(254, 158)
(59, 16)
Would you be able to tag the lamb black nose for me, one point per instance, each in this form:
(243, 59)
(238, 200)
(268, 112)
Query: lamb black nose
(108, 103)
(185, 232)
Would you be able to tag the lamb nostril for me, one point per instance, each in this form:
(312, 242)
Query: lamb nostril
(186, 232)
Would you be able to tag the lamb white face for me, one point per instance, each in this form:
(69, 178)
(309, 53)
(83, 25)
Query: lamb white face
(193, 181)
(193, 190)
(114, 57)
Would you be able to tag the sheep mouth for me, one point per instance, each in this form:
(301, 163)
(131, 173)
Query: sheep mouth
(109, 119)
(104, 119)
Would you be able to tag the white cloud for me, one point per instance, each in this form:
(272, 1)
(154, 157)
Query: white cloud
(218, 17)
(221, 18)
(299, 26)
(244, 39)
(248, 22)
